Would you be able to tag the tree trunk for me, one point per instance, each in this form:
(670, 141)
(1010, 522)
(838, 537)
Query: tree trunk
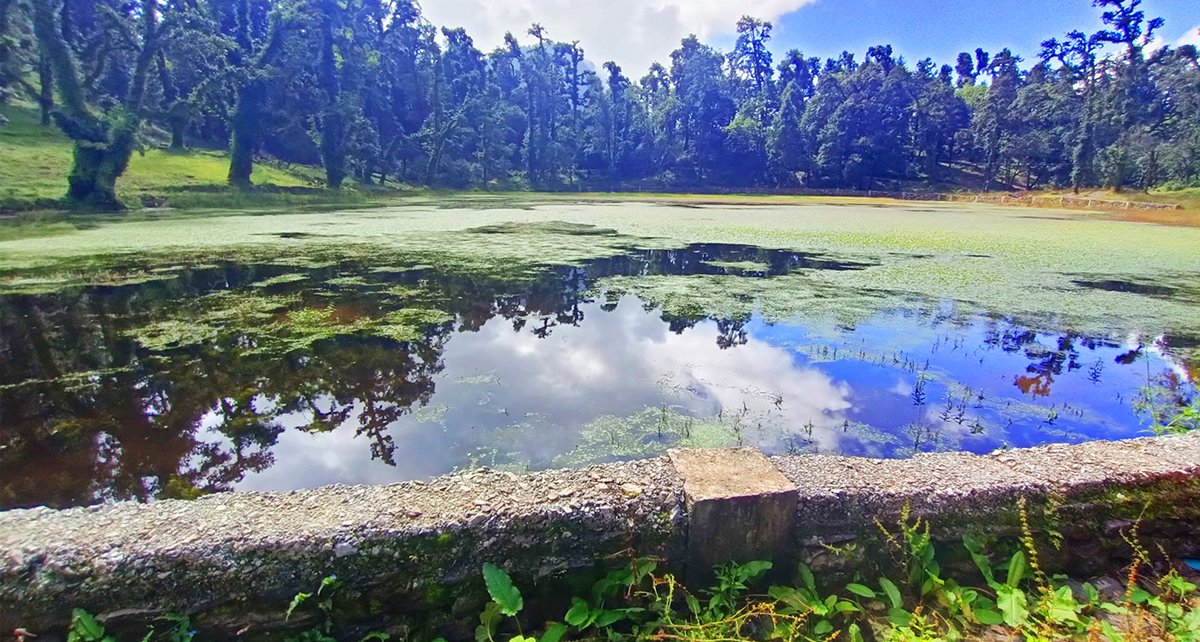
(178, 143)
(245, 125)
(241, 157)
(46, 96)
(93, 178)
(332, 123)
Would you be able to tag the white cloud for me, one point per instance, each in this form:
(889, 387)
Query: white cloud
(1190, 37)
(634, 33)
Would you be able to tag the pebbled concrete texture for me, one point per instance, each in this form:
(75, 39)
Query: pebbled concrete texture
(222, 556)
(191, 557)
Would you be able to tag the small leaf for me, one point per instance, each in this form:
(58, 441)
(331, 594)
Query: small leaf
(296, 602)
(1063, 607)
(807, 576)
(1013, 605)
(693, 605)
(855, 633)
(608, 618)
(988, 617)
(641, 569)
(899, 617)
(577, 615)
(843, 606)
(555, 632)
(1016, 570)
(330, 582)
(893, 593)
(752, 570)
(85, 626)
(500, 587)
(861, 591)
(1111, 632)
(489, 619)
(975, 548)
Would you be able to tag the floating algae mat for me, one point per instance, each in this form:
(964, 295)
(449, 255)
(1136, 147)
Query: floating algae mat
(171, 358)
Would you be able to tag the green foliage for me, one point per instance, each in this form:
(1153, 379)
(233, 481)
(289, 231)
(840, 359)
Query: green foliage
(85, 628)
(501, 588)
(732, 583)
(318, 83)
(1165, 402)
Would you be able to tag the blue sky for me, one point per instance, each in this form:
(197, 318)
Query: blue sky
(940, 29)
(635, 33)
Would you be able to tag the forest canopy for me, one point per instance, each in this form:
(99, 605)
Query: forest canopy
(370, 89)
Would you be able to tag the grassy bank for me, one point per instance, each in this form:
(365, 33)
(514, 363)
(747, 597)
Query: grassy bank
(35, 161)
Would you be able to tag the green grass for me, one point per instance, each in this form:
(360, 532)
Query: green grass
(35, 161)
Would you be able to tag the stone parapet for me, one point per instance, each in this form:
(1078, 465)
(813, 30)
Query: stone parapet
(417, 541)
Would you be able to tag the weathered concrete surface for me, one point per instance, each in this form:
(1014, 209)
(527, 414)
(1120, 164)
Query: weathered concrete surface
(222, 555)
(1087, 493)
(739, 506)
(189, 557)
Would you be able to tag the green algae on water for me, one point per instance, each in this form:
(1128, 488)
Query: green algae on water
(740, 266)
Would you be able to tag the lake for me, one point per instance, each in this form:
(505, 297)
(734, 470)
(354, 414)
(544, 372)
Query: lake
(170, 356)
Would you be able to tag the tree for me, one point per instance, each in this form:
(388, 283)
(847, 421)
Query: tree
(103, 138)
(254, 63)
(994, 124)
(704, 108)
(750, 55)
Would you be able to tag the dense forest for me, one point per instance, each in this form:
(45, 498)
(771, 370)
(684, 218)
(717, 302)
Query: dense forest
(370, 90)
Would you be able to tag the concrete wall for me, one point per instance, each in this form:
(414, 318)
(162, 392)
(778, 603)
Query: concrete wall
(233, 560)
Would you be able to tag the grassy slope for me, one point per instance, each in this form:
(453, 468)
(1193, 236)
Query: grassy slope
(35, 161)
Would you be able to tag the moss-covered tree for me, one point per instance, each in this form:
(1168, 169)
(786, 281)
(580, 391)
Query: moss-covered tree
(104, 137)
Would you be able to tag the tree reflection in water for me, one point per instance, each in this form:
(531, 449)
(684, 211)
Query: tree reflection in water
(89, 414)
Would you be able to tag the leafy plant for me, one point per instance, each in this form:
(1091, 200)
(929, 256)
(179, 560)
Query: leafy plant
(507, 601)
(597, 612)
(824, 612)
(732, 583)
(85, 628)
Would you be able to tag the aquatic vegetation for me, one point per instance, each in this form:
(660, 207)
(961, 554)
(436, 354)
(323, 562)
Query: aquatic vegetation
(1009, 261)
(555, 325)
(347, 282)
(741, 266)
(646, 434)
(282, 279)
(780, 298)
(161, 336)
(407, 324)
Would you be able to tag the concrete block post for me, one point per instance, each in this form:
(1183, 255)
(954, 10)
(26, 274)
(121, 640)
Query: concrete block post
(739, 507)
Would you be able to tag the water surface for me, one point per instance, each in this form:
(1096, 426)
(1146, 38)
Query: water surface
(244, 376)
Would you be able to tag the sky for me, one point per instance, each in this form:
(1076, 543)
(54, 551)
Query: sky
(635, 33)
